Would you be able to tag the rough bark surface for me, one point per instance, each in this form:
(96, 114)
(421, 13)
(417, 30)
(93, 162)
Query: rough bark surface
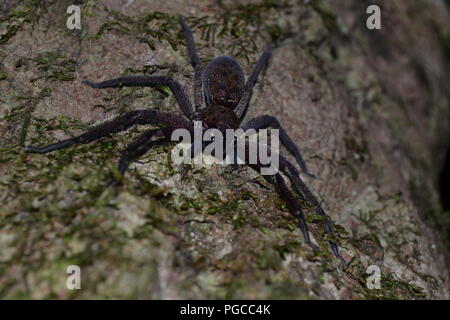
(369, 109)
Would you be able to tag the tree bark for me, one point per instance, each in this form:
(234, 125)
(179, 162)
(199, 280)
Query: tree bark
(368, 108)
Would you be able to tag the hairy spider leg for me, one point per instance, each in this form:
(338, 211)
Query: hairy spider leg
(284, 192)
(139, 147)
(196, 64)
(242, 107)
(145, 81)
(288, 197)
(263, 122)
(170, 121)
(303, 191)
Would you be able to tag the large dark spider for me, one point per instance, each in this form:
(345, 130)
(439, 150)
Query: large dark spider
(222, 87)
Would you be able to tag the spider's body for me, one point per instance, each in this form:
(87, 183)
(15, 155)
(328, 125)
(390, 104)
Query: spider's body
(219, 117)
(221, 99)
(223, 82)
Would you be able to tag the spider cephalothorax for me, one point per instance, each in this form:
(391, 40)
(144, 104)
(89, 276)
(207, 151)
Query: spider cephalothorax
(221, 98)
(219, 117)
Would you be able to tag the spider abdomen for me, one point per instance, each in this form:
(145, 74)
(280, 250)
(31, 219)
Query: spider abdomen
(223, 82)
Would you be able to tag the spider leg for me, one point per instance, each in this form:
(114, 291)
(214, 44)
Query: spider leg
(294, 207)
(196, 63)
(241, 108)
(304, 192)
(119, 124)
(139, 147)
(145, 81)
(281, 188)
(266, 121)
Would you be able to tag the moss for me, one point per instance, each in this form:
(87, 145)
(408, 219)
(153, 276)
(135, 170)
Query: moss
(391, 288)
(66, 188)
(164, 28)
(287, 247)
(27, 12)
(213, 210)
(15, 21)
(244, 25)
(54, 67)
(328, 18)
(333, 23)
(241, 23)
(349, 167)
(20, 115)
(247, 195)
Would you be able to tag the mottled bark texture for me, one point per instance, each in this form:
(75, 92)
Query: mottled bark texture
(369, 109)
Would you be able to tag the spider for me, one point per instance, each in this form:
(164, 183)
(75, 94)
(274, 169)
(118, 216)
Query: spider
(221, 99)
